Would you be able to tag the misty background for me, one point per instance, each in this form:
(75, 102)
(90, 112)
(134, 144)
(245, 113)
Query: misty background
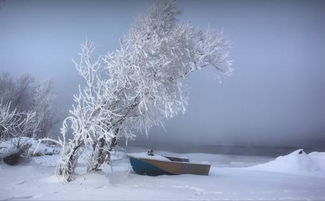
(275, 96)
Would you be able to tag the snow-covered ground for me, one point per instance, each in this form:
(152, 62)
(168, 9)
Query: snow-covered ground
(36, 148)
(231, 178)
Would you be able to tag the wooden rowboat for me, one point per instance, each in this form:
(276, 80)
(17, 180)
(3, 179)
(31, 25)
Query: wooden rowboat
(165, 165)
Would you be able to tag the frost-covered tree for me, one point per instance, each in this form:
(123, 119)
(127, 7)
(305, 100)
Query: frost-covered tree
(43, 106)
(17, 91)
(23, 95)
(139, 85)
(14, 123)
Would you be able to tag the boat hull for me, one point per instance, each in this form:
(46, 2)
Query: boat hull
(153, 167)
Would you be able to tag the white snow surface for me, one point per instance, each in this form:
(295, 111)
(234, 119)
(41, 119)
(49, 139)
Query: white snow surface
(230, 178)
(37, 148)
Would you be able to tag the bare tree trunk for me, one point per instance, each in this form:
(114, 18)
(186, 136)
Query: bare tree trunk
(69, 160)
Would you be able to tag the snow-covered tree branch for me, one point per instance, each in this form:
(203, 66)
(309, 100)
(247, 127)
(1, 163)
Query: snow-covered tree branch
(139, 85)
(22, 95)
(14, 123)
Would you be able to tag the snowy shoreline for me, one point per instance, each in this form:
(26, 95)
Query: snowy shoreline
(231, 177)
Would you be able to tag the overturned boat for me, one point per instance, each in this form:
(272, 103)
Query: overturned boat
(154, 165)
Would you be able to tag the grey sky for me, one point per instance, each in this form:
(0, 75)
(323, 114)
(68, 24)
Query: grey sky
(275, 95)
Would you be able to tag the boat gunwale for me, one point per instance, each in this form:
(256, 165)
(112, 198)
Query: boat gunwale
(180, 162)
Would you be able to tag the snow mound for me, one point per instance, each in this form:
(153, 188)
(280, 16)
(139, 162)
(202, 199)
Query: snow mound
(297, 162)
(37, 149)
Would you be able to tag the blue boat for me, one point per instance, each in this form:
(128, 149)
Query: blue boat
(155, 165)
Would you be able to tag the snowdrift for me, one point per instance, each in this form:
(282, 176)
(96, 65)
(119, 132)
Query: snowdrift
(37, 149)
(297, 162)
